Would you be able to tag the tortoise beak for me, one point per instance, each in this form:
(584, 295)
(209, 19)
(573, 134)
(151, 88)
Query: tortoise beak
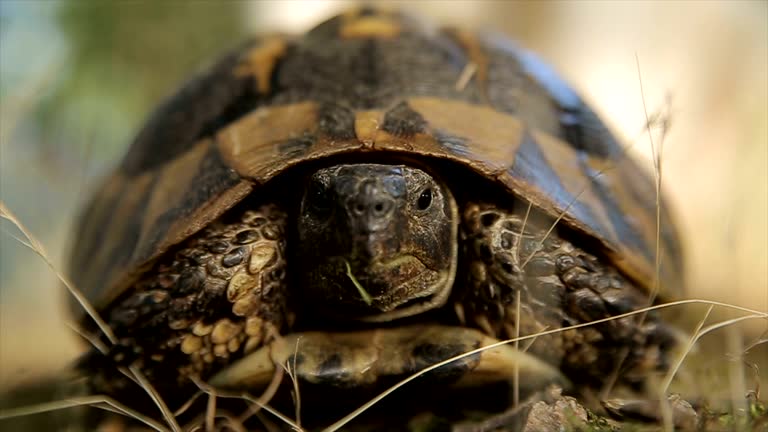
(369, 248)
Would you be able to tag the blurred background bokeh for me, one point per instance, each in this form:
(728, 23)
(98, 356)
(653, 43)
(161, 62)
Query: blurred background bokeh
(78, 77)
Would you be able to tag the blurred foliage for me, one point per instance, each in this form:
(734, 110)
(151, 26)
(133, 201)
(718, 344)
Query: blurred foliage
(77, 79)
(122, 58)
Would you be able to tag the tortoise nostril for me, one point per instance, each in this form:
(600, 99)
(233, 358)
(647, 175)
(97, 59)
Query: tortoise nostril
(382, 208)
(375, 208)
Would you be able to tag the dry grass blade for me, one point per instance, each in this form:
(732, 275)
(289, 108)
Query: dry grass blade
(707, 330)
(737, 377)
(147, 386)
(516, 250)
(518, 301)
(210, 411)
(552, 227)
(562, 214)
(618, 156)
(267, 424)
(267, 408)
(657, 178)
(19, 239)
(656, 157)
(37, 247)
(93, 401)
(291, 370)
(667, 416)
(516, 370)
(758, 341)
(349, 417)
(207, 389)
(201, 423)
(466, 75)
(755, 392)
(183, 408)
(613, 377)
(666, 409)
(266, 396)
(231, 423)
(209, 417)
(93, 340)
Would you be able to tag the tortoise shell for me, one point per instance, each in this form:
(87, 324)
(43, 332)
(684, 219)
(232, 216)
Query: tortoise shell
(384, 85)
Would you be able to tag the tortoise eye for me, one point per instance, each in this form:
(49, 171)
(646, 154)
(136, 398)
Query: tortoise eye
(319, 199)
(425, 199)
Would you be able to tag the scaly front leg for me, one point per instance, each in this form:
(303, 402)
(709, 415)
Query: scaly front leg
(219, 296)
(559, 284)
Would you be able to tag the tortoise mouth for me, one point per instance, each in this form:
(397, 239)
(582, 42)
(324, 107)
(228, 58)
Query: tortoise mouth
(382, 290)
(364, 358)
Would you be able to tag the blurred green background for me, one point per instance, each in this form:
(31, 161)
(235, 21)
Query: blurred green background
(77, 79)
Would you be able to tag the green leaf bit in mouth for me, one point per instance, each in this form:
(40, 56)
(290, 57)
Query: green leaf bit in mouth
(363, 293)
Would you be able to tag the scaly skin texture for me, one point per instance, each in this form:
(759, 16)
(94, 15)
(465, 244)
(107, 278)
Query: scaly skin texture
(560, 285)
(217, 297)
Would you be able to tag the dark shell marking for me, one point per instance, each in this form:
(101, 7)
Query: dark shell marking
(378, 83)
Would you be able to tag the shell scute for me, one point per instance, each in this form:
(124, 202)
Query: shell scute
(193, 112)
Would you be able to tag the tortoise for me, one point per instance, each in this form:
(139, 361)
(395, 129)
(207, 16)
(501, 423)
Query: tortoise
(369, 199)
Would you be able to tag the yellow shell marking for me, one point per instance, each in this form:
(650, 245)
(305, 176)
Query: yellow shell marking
(260, 61)
(245, 143)
(381, 27)
(477, 57)
(366, 125)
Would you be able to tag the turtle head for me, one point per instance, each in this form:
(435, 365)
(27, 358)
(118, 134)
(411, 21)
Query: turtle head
(376, 242)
